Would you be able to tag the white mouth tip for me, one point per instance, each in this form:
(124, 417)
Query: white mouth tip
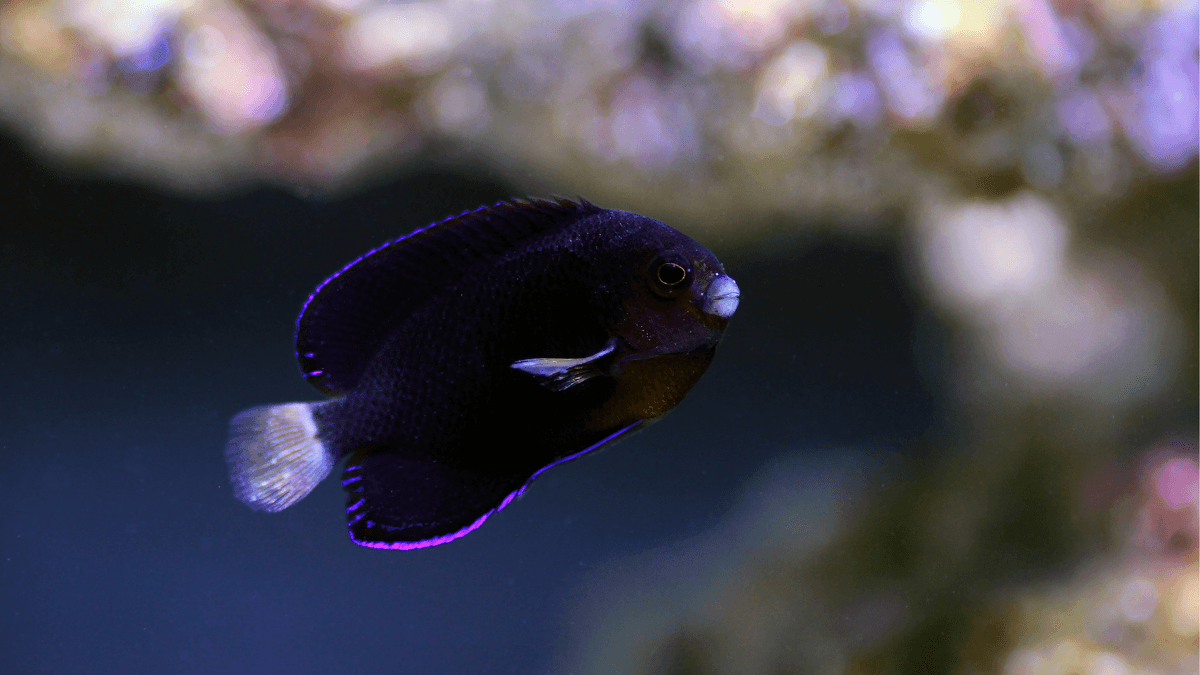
(722, 297)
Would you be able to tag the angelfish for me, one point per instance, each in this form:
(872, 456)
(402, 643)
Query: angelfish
(468, 357)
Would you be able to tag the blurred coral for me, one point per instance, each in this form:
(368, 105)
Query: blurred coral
(927, 578)
(766, 107)
(1136, 612)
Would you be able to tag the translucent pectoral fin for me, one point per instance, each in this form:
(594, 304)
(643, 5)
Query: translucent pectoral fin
(560, 374)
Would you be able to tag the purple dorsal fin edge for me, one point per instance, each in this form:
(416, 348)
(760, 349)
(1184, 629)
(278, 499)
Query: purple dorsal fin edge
(352, 313)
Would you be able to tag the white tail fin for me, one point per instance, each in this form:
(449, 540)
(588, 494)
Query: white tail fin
(274, 455)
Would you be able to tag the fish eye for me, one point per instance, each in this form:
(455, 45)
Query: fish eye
(670, 274)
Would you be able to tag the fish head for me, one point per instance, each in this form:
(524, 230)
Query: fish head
(679, 298)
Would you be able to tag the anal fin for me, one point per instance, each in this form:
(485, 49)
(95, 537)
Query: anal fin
(402, 503)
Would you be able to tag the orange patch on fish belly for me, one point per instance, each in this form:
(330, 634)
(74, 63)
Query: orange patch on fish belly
(649, 388)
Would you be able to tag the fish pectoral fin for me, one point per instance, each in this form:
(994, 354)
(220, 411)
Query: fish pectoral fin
(560, 374)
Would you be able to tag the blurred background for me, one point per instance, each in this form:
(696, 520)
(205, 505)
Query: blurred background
(952, 428)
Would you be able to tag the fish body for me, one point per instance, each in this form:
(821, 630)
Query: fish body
(468, 357)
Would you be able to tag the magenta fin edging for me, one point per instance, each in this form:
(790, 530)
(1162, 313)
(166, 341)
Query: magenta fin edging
(582, 203)
(446, 538)
(571, 457)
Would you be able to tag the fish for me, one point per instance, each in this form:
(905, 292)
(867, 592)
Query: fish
(465, 359)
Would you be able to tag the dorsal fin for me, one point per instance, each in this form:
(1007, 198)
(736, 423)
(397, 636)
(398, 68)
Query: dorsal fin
(350, 315)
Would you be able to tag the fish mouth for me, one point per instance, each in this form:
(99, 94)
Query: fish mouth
(722, 297)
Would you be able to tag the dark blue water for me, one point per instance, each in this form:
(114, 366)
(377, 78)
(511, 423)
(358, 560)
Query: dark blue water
(134, 323)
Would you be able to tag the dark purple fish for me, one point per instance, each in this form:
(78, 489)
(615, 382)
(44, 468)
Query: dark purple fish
(470, 356)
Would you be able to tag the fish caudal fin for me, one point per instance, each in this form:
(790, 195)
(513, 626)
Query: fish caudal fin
(274, 455)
